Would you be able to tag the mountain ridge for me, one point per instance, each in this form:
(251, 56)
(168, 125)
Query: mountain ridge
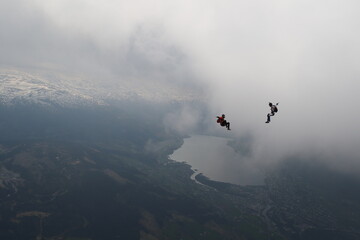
(50, 88)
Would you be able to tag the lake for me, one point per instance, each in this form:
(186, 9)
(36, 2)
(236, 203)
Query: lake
(216, 160)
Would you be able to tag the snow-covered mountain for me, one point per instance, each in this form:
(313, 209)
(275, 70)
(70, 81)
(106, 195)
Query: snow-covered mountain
(17, 86)
(53, 88)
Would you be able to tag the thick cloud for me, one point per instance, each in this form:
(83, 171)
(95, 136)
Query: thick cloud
(303, 54)
(110, 40)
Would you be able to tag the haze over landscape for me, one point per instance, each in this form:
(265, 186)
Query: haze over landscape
(95, 89)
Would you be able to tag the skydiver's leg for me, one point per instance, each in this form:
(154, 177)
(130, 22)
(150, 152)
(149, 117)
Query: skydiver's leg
(225, 123)
(228, 125)
(268, 118)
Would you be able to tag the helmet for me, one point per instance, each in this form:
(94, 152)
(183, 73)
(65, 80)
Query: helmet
(270, 104)
(223, 115)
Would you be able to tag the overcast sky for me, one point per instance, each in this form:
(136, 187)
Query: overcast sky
(301, 53)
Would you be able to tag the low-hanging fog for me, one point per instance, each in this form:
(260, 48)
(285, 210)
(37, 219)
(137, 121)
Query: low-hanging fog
(240, 54)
